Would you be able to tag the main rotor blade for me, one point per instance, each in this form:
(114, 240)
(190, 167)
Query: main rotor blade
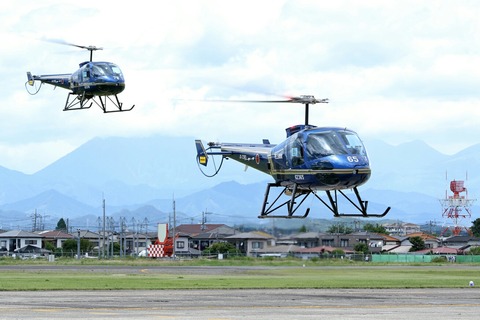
(63, 42)
(304, 99)
(256, 101)
(90, 48)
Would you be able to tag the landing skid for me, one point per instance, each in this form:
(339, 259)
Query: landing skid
(82, 101)
(291, 204)
(297, 199)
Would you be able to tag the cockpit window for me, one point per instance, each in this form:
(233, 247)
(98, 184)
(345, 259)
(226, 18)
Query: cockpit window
(97, 71)
(318, 145)
(115, 69)
(324, 144)
(295, 151)
(353, 143)
(106, 69)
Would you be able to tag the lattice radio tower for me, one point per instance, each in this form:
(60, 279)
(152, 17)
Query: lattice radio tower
(456, 208)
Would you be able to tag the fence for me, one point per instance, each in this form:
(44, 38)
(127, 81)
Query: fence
(409, 258)
(412, 258)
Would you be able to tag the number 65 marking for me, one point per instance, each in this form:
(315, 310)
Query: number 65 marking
(352, 159)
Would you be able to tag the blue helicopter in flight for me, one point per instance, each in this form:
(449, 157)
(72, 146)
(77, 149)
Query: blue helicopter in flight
(94, 82)
(311, 160)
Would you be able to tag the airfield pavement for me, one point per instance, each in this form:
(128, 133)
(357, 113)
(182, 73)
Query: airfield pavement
(411, 304)
(243, 304)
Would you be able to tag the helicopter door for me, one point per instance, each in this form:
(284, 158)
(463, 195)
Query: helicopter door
(295, 151)
(297, 156)
(83, 75)
(75, 79)
(279, 157)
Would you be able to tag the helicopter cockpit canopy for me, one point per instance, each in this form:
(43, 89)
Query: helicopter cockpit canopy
(105, 69)
(314, 144)
(322, 144)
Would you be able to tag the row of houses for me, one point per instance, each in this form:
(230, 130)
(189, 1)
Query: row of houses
(192, 239)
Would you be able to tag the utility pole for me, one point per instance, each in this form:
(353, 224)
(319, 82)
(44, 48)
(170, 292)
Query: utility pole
(135, 236)
(78, 244)
(431, 225)
(121, 224)
(174, 227)
(36, 221)
(103, 240)
(204, 218)
(111, 230)
(99, 221)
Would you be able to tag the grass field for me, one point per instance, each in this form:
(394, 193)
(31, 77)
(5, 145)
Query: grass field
(208, 274)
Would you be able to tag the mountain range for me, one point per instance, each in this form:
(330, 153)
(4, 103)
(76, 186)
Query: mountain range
(139, 179)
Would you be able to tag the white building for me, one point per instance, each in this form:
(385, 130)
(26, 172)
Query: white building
(17, 239)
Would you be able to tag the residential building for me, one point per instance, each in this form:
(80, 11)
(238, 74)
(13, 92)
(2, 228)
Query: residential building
(431, 242)
(390, 243)
(343, 241)
(251, 244)
(55, 237)
(136, 242)
(404, 245)
(307, 239)
(401, 228)
(201, 236)
(17, 239)
(182, 246)
(463, 243)
(308, 253)
(279, 251)
(95, 238)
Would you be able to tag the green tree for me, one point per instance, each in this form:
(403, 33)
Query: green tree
(474, 251)
(70, 245)
(417, 244)
(303, 229)
(360, 247)
(377, 228)
(475, 228)
(338, 252)
(49, 246)
(61, 225)
(116, 248)
(339, 228)
(220, 247)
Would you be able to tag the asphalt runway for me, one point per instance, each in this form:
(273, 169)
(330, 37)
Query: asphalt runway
(258, 304)
(244, 304)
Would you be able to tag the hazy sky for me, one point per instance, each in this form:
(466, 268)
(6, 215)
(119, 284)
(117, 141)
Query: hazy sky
(393, 70)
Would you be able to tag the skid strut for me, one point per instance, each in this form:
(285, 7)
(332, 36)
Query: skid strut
(81, 101)
(297, 198)
(291, 204)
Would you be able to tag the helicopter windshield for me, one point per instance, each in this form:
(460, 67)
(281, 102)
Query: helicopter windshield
(101, 69)
(322, 144)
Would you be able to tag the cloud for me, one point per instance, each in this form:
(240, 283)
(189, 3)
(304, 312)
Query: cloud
(396, 71)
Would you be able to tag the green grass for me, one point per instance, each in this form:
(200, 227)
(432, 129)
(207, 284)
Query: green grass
(270, 274)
